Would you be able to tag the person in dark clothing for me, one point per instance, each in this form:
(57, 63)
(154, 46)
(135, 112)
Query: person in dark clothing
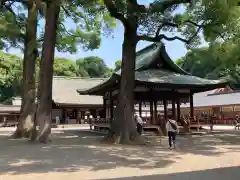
(172, 129)
(237, 123)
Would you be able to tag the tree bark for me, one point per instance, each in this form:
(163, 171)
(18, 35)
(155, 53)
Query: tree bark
(44, 109)
(123, 127)
(27, 114)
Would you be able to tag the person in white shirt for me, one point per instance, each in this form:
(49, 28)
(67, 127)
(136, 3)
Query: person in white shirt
(139, 123)
(172, 129)
(57, 120)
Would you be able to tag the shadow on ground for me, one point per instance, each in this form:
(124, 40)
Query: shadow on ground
(230, 173)
(72, 151)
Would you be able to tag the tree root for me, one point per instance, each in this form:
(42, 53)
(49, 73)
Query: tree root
(44, 140)
(17, 134)
(34, 134)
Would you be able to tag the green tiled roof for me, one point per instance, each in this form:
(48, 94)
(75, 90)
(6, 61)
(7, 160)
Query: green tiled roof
(166, 77)
(146, 56)
(169, 73)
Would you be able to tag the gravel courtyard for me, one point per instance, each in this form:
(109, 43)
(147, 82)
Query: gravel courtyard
(80, 155)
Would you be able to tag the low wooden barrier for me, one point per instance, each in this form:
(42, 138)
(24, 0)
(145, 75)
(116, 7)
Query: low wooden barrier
(9, 124)
(104, 125)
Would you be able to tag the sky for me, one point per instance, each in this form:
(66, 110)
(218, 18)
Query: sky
(110, 49)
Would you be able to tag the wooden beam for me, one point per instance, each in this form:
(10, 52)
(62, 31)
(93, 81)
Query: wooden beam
(157, 96)
(155, 109)
(111, 105)
(140, 108)
(173, 109)
(104, 107)
(191, 107)
(151, 111)
(165, 109)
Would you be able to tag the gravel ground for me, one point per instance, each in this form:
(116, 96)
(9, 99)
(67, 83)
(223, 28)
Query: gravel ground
(80, 155)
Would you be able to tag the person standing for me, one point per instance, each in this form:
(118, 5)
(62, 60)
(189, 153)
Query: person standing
(172, 129)
(237, 123)
(139, 123)
(57, 120)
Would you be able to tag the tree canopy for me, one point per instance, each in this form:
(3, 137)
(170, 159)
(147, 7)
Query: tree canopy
(93, 66)
(198, 19)
(87, 19)
(219, 60)
(118, 64)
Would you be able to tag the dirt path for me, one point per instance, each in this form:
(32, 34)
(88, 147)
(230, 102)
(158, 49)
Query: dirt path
(80, 155)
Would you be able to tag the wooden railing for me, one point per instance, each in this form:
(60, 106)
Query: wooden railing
(102, 123)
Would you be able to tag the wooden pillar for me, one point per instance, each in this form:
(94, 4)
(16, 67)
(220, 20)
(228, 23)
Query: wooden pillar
(173, 109)
(191, 107)
(111, 105)
(178, 110)
(155, 110)
(151, 111)
(165, 109)
(104, 108)
(63, 118)
(163, 123)
(140, 108)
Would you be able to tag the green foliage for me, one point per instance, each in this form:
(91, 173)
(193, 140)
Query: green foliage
(81, 24)
(219, 60)
(11, 28)
(94, 66)
(215, 19)
(118, 64)
(87, 20)
(10, 76)
(11, 72)
(64, 67)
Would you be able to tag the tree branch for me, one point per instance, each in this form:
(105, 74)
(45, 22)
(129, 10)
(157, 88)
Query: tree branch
(112, 9)
(159, 6)
(203, 26)
(8, 6)
(162, 6)
(39, 6)
(164, 24)
(67, 32)
(160, 37)
(66, 11)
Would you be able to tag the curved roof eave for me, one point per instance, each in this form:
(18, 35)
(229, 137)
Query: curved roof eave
(171, 63)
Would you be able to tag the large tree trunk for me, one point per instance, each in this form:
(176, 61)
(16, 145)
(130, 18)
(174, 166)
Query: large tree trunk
(44, 109)
(27, 115)
(123, 127)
